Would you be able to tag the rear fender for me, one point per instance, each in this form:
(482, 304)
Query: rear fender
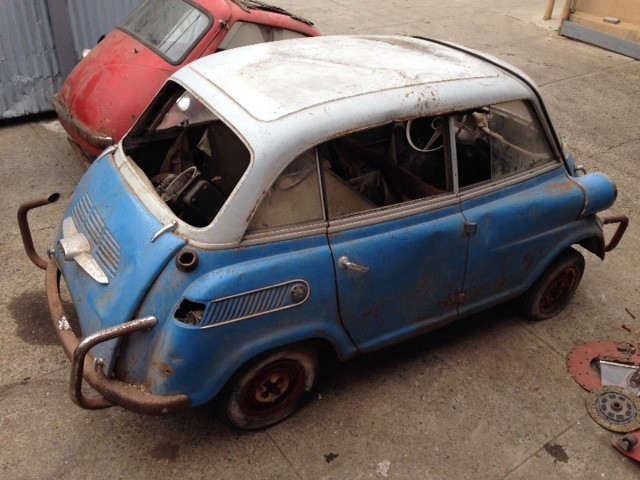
(237, 304)
(213, 356)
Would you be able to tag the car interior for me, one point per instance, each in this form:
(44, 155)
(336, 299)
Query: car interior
(194, 161)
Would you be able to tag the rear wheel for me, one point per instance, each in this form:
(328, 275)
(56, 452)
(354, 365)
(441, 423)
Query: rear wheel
(270, 389)
(551, 293)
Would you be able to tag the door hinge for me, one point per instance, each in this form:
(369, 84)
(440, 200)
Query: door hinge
(470, 228)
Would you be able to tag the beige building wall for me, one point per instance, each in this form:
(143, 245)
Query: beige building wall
(620, 18)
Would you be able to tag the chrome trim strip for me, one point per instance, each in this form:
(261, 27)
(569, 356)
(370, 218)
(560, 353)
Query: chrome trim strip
(393, 212)
(93, 138)
(171, 227)
(478, 190)
(275, 235)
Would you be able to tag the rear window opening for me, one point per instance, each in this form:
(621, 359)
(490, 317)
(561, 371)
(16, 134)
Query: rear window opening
(193, 160)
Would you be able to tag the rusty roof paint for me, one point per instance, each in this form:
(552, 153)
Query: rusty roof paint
(275, 80)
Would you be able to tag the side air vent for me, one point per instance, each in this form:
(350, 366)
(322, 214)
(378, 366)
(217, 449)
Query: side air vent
(106, 249)
(245, 305)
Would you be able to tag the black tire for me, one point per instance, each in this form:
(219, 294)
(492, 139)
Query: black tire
(551, 293)
(270, 389)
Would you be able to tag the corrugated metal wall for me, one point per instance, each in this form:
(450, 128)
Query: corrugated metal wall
(31, 67)
(92, 18)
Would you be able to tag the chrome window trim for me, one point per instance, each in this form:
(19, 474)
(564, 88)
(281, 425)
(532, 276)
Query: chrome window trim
(484, 188)
(282, 234)
(393, 212)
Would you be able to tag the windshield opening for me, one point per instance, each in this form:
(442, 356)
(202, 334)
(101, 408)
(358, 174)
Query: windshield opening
(171, 28)
(193, 160)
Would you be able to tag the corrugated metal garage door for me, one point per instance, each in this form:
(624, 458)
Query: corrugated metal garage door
(41, 40)
(29, 68)
(92, 18)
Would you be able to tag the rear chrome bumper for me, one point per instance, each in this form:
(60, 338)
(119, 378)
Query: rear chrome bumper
(85, 368)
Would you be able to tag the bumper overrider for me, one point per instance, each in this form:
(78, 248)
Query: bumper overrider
(83, 366)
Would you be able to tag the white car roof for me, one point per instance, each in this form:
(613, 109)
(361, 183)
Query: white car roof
(274, 80)
(284, 97)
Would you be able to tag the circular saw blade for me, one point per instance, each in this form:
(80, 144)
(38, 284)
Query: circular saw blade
(614, 408)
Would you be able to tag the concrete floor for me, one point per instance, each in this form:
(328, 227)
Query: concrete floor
(486, 398)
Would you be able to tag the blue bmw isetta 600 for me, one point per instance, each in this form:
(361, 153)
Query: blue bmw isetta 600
(344, 193)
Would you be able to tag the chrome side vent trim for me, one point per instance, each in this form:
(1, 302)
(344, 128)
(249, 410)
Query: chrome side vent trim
(254, 303)
(106, 249)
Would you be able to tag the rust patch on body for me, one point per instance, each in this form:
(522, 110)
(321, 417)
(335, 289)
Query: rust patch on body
(164, 368)
(566, 186)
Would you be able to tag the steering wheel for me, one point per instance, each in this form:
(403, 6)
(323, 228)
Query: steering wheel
(173, 186)
(425, 137)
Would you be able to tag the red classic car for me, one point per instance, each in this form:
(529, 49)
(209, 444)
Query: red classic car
(108, 90)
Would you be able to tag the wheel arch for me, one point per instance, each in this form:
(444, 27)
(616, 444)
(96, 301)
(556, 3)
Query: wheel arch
(323, 348)
(588, 234)
(594, 244)
(327, 345)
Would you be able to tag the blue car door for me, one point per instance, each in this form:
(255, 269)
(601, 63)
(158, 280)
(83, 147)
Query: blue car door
(401, 277)
(517, 206)
(398, 241)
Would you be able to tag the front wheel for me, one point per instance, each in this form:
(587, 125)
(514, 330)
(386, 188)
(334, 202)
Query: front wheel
(551, 293)
(270, 389)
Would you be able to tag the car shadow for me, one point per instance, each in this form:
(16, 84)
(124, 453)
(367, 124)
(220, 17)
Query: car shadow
(478, 327)
(33, 321)
(338, 378)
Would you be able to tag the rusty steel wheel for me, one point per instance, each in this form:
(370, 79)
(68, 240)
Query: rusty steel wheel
(271, 389)
(551, 293)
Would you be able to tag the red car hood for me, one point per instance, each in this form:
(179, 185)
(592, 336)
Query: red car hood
(109, 88)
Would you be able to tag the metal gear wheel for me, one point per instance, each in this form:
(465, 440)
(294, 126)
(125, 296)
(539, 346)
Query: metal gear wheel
(614, 408)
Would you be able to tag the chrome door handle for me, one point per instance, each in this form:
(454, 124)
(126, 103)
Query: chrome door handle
(345, 264)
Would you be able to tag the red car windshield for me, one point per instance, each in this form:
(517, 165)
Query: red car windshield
(171, 28)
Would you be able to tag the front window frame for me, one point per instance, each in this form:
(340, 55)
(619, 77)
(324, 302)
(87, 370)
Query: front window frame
(154, 48)
(555, 158)
(203, 185)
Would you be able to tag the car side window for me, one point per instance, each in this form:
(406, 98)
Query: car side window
(293, 199)
(499, 141)
(242, 34)
(385, 165)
